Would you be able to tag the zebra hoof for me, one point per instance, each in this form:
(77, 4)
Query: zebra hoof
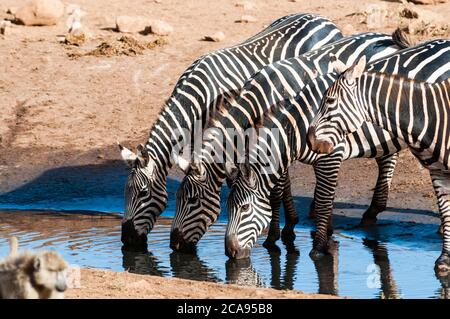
(442, 266)
(291, 249)
(368, 222)
(271, 246)
(287, 235)
(316, 254)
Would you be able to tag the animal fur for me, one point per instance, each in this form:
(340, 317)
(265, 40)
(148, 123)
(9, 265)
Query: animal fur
(32, 275)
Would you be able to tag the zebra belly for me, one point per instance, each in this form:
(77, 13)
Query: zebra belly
(427, 157)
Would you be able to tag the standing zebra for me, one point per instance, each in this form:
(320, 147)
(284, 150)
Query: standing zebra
(249, 200)
(198, 200)
(414, 111)
(195, 97)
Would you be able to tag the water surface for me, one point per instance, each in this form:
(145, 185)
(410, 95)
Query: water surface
(74, 211)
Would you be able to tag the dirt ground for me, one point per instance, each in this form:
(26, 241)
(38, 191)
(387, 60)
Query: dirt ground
(60, 109)
(109, 284)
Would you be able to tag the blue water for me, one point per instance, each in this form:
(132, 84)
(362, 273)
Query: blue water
(393, 260)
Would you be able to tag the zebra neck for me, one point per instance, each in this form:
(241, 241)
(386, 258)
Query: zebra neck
(270, 163)
(180, 125)
(216, 172)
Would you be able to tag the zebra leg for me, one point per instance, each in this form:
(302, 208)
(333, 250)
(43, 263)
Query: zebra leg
(274, 228)
(312, 211)
(441, 185)
(326, 170)
(386, 167)
(291, 217)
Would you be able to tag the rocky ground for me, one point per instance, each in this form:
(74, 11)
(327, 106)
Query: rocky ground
(66, 98)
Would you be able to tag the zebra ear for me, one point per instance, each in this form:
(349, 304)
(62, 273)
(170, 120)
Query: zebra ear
(198, 168)
(248, 174)
(143, 155)
(337, 65)
(231, 171)
(357, 70)
(128, 156)
(181, 162)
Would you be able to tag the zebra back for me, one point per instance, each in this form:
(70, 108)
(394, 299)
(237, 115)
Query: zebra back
(283, 79)
(295, 114)
(200, 88)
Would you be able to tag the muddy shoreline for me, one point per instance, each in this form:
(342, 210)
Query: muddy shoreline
(98, 283)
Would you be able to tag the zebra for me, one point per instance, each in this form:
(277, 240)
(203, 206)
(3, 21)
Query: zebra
(198, 197)
(195, 97)
(412, 110)
(248, 204)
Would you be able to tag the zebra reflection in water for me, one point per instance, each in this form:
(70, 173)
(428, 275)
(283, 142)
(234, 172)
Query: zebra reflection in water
(242, 271)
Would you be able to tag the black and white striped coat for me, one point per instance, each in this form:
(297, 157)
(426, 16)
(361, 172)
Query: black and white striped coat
(195, 96)
(412, 110)
(198, 202)
(249, 200)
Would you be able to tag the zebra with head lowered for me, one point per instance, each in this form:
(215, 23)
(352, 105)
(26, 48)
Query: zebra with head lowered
(198, 199)
(412, 110)
(248, 202)
(195, 97)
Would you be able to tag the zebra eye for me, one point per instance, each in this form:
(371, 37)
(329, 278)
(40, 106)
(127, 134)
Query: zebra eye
(144, 190)
(245, 207)
(330, 100)
(192, 200)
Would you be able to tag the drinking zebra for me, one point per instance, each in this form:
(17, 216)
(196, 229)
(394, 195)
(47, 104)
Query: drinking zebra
(195, 97)
(198, 199)
(413, 111)
(249, 200)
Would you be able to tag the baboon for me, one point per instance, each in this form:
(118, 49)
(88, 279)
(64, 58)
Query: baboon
(32, 275)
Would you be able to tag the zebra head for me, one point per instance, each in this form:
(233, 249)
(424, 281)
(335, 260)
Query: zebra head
(145, 196)
(249, 211)
(197, 205)
(340, 112)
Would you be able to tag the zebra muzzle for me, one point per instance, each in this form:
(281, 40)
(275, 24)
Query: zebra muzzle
(131, 238)
(318, 145)
(179, 243)
(233, 249)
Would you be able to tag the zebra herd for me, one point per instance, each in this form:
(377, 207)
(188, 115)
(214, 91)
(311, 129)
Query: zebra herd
(296, 91)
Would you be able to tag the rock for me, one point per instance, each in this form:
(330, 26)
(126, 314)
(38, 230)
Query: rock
(5, 27)
(247, 19)
(12, 10)
(77, 38)
(40, 12)
(246, 5)
(160, 28)
(129, 24)
(376, 16)
(73, 22)
(408, 13)
(216, 37)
